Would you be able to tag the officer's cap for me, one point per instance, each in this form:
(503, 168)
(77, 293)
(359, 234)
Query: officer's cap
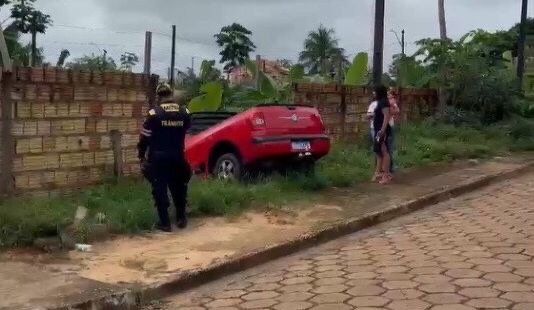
(164, 90)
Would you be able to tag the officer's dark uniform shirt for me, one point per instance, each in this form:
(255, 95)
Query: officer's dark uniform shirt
(163, 132)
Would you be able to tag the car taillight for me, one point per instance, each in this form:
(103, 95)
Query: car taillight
(258, 121)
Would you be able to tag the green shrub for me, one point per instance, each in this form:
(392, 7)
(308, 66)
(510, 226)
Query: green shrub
(475, 85)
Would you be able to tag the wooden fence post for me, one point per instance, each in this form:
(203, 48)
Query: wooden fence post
(8, 144)
(343, 108)
(116, 144)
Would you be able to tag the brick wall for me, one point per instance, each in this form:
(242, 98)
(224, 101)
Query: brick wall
(61, 122)
(344, 108)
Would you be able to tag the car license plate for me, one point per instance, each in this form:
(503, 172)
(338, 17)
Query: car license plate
(301, 146)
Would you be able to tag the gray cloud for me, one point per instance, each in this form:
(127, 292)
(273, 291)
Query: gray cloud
(279, 26)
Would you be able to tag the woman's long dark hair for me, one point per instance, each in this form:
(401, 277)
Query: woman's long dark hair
(381, 92)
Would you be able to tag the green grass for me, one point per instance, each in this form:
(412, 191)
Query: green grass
(128, 206)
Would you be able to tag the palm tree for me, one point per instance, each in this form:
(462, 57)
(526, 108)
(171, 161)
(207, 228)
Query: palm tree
(236, 45)
(321, 52)
(442, 20)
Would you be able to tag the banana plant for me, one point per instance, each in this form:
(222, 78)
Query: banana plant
(210, 99)
(357, 73)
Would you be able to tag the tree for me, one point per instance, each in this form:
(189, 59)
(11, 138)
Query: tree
(29, 20)
(192, 83)
(63, 57)
(514, 32)
(407, 71)
(321, 52)
(236, 46)
(128, 61)
(93, 63)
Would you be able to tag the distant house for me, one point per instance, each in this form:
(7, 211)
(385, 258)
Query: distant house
(272, 68)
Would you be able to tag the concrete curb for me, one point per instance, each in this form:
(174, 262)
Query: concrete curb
(187, 280)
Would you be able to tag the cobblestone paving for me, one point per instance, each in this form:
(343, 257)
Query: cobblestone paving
(474, 252)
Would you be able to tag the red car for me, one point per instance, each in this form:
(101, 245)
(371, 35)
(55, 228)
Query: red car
(228, 144)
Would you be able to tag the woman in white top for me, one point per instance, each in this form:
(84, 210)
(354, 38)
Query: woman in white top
(392, 96)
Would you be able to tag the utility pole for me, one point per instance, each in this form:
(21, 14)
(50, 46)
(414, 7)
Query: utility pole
(521, 44)
(258, 69)
(378, 57)
(403, 43)
(193, 64)
(148, 53)
(173, 56)
(400, 40)
(6, 59)
(104, 60)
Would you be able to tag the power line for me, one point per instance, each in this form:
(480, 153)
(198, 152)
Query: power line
(161, 33)
(91, 43)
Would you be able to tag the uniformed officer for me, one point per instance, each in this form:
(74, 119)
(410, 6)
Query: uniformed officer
(163, 135)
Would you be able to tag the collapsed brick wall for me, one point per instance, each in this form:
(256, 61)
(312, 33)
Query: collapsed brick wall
(61, 124)
(344, 108)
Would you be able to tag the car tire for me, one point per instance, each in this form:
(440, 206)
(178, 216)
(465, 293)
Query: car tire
(228, 167)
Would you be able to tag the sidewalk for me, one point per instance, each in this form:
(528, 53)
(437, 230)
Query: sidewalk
(32, 281)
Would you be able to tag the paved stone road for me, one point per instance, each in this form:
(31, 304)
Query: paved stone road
(474, 252)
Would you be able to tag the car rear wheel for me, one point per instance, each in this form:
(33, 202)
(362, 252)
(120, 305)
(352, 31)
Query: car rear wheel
(228, 167)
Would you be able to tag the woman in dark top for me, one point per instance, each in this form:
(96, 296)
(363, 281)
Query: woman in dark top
(381, 120)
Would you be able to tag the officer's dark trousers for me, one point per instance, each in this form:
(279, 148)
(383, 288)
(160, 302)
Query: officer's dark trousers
(174, 175)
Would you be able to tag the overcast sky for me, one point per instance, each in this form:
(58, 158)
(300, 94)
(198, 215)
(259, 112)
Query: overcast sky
(279, 26)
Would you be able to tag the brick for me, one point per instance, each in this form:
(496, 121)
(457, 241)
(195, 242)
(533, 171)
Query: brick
(60, 178)
(30, 128)
(37, 74)
(37, 110)
(368, 301)
(102, 126)
(519, 296)
(502, 277)
(257, 304)
(299, 305)
(88, 93)
(403, 294)
(71, 160)
(22, 181)
(219, 303)
(38, 162)
(78, 143)
(127, 110)
(409, 305)
(23, 109)
(62, 109)
(105, 157)
(66, 127)
(90, 126)
(17, 128)
(444, 298)
(50, 110)
(84, 110)
(35, 145)
(88, 159)
(488, 303)
(43, 128)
